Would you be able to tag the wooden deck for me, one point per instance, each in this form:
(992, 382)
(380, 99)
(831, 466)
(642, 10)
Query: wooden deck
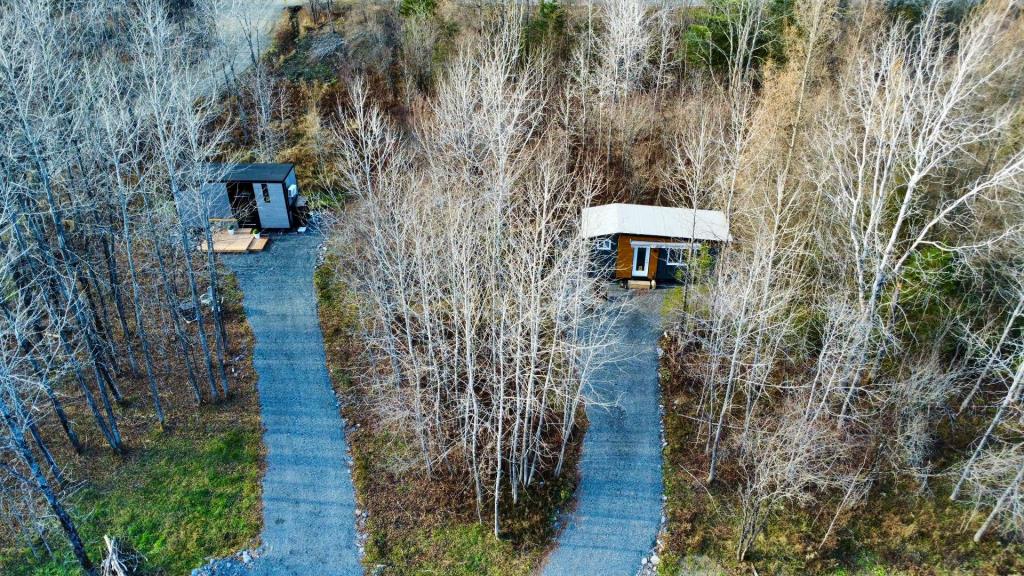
(240, 242)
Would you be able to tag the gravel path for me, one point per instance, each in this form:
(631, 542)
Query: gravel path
(308, 500)
(619, 504)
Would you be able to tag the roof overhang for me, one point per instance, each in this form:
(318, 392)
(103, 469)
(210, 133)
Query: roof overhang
(655, 221)
(650, 244)
(249, 172)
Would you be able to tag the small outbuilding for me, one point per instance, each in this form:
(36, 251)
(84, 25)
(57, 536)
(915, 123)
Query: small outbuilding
(650, 242)
(263, 196)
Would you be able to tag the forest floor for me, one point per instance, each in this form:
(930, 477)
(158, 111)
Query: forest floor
(308, 502)
(901, 528)
(619, 500)
(420, 525)
(180, 495)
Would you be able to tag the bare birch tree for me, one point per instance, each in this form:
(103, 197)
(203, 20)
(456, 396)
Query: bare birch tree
(481, 307)
(89, 281)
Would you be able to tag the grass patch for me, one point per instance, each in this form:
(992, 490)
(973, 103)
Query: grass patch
(180, 495)
(672, 304)
(420, 525)
(462, 550)
(179, 502)
(299, 65)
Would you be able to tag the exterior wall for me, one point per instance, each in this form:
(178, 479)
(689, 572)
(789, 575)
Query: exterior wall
(290, 180)
(272, 207)
(618, 262)
(602, 262)
(666, 273)
(216, 202)
(624, 256)
(212, 202)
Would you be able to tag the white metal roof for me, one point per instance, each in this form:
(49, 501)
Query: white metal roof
(655, 221)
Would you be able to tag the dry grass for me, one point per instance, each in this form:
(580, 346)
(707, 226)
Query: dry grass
(897, 530)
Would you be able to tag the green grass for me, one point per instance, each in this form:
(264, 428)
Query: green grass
(672, 308)
(672, 305)
(463, 550)
(180, 501)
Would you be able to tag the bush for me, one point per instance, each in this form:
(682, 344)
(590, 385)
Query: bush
(547, 25)
(417, 8)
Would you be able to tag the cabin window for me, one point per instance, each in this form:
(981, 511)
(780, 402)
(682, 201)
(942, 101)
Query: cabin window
(675, 256)
(266, 193)
(604, 244)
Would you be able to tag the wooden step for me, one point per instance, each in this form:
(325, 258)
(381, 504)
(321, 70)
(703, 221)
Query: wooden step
(258, 244)
(640, 284)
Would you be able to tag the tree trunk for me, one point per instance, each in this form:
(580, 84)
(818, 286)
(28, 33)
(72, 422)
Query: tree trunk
(201, 324)
(1010, 490)
(139, 324)
(220, 335)
(44, 487)
(1011, 396)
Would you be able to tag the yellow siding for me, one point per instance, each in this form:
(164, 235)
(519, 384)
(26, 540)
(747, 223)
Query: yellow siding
(624, 256)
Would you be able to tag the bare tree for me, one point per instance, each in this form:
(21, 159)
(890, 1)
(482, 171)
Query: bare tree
(996, 480)
(786, 461)
(172, 94)
(479, 304)
(89, 281)
(912, 102)
(14, 387)
(838, 188)
(1013, 381)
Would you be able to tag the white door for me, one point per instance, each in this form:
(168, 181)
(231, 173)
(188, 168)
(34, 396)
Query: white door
(271, 205)
(641, 256)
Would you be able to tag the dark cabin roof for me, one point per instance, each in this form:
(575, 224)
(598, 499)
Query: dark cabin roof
(252, 172)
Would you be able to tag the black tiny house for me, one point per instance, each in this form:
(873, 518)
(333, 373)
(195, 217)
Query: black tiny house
(260, 195)
(264, 196)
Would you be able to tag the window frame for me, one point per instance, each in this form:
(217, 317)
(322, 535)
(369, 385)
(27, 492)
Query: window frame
(681, 261)
(603, 244)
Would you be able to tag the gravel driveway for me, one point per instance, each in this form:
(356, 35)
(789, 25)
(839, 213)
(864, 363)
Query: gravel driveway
(308, 501)
(619, 503)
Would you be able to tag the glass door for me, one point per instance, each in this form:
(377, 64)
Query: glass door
(641, 254)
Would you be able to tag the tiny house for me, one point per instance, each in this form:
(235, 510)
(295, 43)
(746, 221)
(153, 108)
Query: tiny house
(633, 241)
(263, 196)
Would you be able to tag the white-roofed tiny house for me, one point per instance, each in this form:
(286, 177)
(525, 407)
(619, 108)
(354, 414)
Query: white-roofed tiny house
(634, 241)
